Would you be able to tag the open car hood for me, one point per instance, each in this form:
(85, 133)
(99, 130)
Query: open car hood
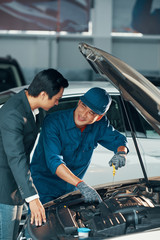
(128, 207)
(133, 86)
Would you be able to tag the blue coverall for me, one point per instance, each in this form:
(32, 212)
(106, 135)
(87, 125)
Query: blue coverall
(62, 142)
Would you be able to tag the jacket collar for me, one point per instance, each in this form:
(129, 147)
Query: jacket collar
(29, 114)
(27, 108)
(24, 98)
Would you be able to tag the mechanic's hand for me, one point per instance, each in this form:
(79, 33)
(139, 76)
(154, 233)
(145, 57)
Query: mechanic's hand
(37, 212)
(118, 160)
(89, 193)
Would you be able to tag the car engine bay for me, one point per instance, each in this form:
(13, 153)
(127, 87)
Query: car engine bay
(125, 209)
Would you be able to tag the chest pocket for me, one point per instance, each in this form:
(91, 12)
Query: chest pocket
(76, 156)
(73, 148)
(88, 147)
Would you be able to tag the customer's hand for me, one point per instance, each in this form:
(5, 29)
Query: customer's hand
(89, 193)
(37, 212)
(118, 160)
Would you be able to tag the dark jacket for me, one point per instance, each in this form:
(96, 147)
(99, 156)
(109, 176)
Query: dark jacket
(18, 132)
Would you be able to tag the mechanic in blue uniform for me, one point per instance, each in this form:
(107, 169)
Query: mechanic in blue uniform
(67, 141)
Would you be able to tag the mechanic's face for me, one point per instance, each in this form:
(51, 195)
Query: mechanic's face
(47, 103)
(83, 115)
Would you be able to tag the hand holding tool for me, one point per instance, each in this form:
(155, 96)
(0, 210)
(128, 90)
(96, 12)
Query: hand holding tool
(114, 171)
(118, 160)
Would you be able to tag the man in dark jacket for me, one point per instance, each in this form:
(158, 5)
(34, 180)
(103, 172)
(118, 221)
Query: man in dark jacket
(20, 120)
(66, 144)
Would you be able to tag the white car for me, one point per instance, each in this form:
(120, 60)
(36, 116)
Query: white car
(131, 199)
(147, 138)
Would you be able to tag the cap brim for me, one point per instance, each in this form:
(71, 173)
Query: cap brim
(91, 106)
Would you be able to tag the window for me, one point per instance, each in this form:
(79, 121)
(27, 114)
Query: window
(7, 79)
(43, 15)
(136, 16)
(114, 114)
(65, 103)
(140, 126)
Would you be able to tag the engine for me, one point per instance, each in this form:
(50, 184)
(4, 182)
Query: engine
(113, 217)
(121, 212)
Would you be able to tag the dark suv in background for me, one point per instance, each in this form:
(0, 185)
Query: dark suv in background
(11, 74)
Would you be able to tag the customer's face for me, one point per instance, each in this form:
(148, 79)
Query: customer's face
(49, 103)
(83, 115)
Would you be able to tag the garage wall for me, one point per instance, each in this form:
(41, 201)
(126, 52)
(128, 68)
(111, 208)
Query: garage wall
(143, 53)
(36, 52)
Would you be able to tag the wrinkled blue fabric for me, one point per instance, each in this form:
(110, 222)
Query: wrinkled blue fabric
(61, 142)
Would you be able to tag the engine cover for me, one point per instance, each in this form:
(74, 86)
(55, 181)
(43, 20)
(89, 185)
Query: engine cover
(115, 216)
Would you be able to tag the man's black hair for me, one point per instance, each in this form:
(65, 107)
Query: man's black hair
(49, 81)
